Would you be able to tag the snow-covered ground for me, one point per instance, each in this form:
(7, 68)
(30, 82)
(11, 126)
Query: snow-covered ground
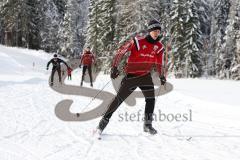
(29, 129)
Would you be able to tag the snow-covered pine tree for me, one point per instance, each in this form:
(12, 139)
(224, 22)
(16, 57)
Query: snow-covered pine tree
(20, 23)
(105, 34)
(61, 7)
(192, 44)
(34, 24)
(218, 31)
(71, 43)
(187, 44)
(178, 15)
(235, 66)
(1, 32)
(230, 55)
(93, 26)
(129, 20)
(1, 26)
(82, 22)
(204, 11)
(9, 13)
(164, 10)
(50, 26)
(27, 24)
(106, 24)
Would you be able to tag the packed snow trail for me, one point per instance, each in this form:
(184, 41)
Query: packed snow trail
(30, 130)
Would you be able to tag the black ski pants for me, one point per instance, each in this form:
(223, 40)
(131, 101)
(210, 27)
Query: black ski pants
(128, 85)
(58, 69)
(85, 68)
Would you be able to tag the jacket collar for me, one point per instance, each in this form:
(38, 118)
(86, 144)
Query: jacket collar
(151, 40)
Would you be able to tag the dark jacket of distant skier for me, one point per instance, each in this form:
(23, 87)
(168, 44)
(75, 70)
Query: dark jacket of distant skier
(145, 52)
(56, 63)
(87, 60)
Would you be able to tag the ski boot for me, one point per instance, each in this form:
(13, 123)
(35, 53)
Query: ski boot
(147, 126)
(149, 129)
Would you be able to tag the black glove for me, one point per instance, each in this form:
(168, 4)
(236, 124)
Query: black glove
(47, 68)
(162, 79)
(114, 72)
(80, 66)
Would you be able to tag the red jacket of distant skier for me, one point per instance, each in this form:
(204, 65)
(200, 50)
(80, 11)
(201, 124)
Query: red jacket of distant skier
(69, 71)
(143, 56)
(87, 58)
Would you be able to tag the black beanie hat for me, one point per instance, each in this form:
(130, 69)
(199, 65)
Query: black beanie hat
(154, 25)
(55, 55)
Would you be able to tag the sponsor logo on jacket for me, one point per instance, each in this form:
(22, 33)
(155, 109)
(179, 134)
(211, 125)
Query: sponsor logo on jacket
(147, 55)
(155, 47)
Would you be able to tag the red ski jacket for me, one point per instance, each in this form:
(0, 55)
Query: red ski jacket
(143, 56)
(87, 59)
(69, 71)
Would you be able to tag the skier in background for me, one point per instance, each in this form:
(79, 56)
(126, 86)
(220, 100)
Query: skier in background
(87, 60)
(69, 71)
(56, 63)
(145, 52)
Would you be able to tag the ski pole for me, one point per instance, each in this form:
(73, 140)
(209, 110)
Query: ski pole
(96, 95)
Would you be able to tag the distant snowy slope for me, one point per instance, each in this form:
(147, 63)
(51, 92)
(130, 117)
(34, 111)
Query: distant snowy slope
(19, 64)
(18, 58)
(9, 65)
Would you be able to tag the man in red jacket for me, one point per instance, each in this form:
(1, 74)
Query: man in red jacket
(145, 52)
(87, 60)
